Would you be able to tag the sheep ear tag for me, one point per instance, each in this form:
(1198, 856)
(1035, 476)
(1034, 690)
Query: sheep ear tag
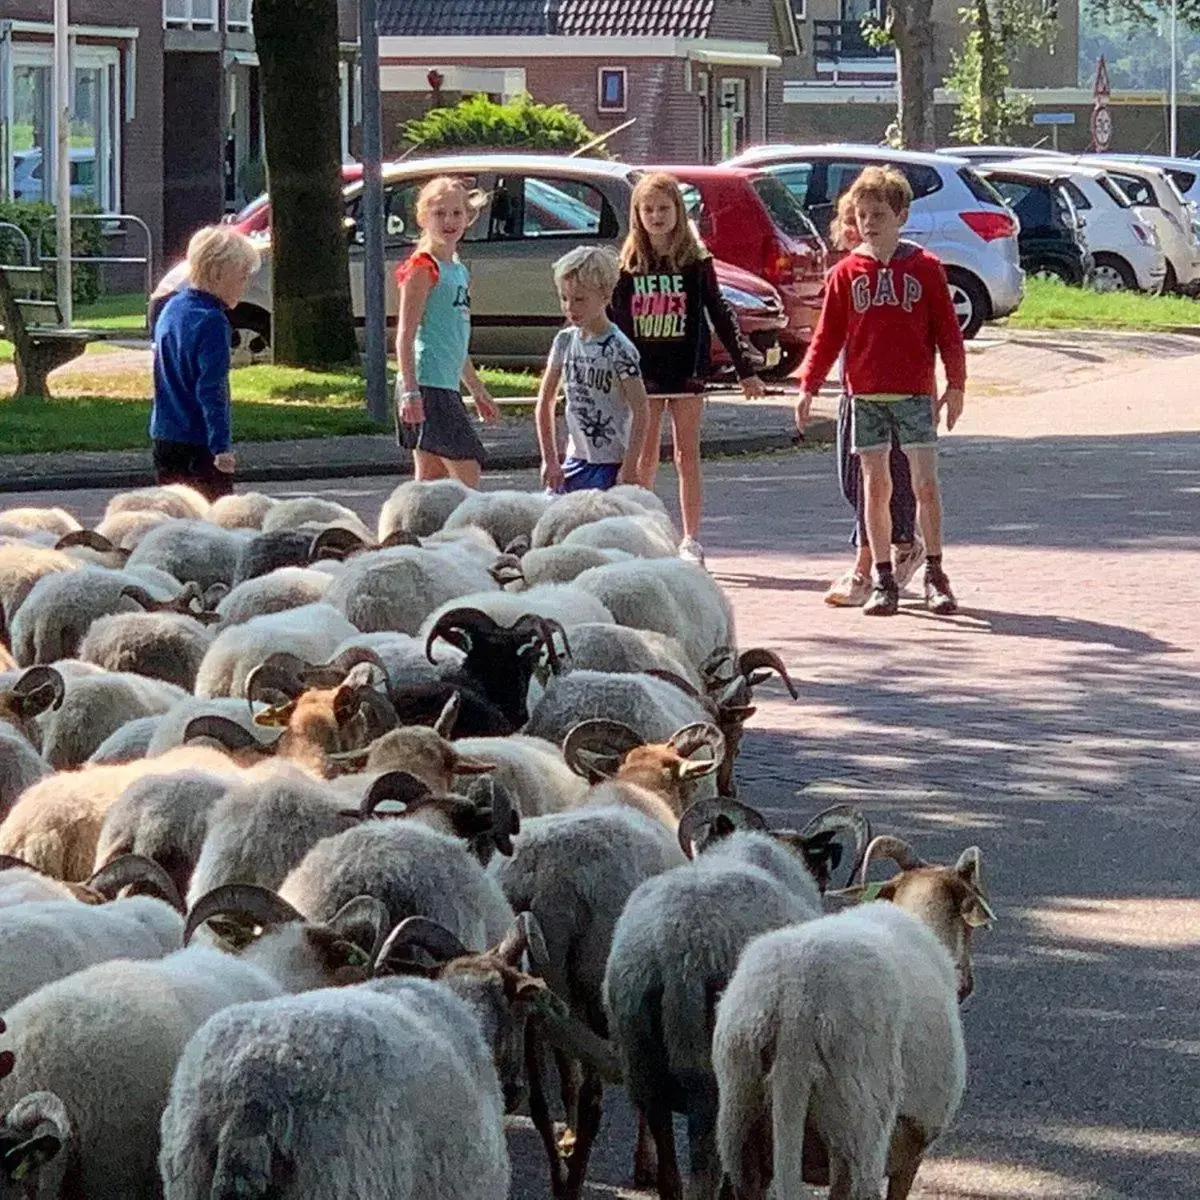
(26, 1157)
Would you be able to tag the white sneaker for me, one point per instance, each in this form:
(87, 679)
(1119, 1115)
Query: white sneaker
(850, 591)
(906, 562)
(691, 551)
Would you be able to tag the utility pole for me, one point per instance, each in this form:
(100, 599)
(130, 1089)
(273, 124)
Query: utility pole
(371, 216)
(1174, 79)
(62, 159)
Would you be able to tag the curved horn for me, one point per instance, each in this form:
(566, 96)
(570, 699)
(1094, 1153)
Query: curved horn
(519, 546)
(422, 934)
(842, 818)
(506, 569)
(130, 869)
(722, 656)
(448, 717)
(535, 943)
(399, 787)
(45, 1130)
(354, 656)
(10, 862)
(546, 628)
(898, 850)
(215, 593)
(335, 542)
(598, 735)
(708, 812)
(359, 915)
(676, 681)
(750, 661)
(399, 537)
(40, 688)
(229, 733)
(462, 622)
(281, 672)
(506, 819)
(86, 537)
(139, 595)
(259, 904)
(698, 736)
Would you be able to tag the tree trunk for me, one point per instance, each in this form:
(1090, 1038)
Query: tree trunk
(313, 323)
(912, 30)
(991, 77)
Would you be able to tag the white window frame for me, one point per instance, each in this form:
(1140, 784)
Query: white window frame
(612, 108)
(107, 60)
(800, 9)
(237, 25)
(189, 20)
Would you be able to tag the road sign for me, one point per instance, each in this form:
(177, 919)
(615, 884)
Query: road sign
(1101, 87)
(1053, 118)
(1102, 126)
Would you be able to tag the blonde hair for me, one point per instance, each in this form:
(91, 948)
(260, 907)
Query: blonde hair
(596, 268)
(215, 251)
(843, 229)
(884, 184)
(444, 185)
(638, 254)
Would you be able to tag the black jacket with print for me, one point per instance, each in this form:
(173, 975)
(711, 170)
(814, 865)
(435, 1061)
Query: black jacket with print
(662, 312)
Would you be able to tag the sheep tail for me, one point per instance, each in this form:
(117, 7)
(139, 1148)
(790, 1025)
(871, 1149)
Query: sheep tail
(249, 1164)
(741, 1064)
(791, 1091)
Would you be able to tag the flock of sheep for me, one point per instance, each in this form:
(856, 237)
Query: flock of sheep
(322, 848)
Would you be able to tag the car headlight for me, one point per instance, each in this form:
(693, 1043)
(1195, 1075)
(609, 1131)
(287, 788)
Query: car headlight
(743, 300)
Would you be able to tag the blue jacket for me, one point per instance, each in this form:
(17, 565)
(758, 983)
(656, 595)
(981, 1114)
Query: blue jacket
(191, 372)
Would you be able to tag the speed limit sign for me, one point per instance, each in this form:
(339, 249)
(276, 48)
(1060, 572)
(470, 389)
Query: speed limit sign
(1102, 126)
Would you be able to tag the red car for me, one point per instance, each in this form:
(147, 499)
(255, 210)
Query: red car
(748, 218)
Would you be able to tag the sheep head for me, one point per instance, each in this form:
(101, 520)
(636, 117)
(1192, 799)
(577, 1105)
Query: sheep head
(33, 1136)
(191, 601)
(952, 901)
(36, 691)
(339, 543)
(140, 875)
(103, 550)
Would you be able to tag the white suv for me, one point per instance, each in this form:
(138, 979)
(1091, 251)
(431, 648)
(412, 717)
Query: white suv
(954, 213)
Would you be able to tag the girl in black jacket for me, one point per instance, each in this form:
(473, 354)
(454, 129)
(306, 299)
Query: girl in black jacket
(668, 285)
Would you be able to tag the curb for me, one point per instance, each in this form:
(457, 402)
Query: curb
(820, 432)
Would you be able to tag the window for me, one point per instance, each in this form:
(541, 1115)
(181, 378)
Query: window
(611, 89)
(796, 177)
(557, 208)
(1081, 202)
(190, 14)
(1029, 201)
(1111, 189)
(1138, 191)
(237, 16)
(1183, 180)
(783, 208)
(400, 226)
(982, 189)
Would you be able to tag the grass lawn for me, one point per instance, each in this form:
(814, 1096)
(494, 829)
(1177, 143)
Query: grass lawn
(1049, 304)
(109, 410)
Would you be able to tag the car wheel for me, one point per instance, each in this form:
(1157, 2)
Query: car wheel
(1171, 280)
(1113, 274)
(251, 335)
(1049, 270)
(785, 366)
(970, 301)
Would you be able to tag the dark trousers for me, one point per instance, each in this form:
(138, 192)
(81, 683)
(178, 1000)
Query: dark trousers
(904, 503)
(181, 462)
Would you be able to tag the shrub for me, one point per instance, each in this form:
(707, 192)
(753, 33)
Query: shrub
(479, 123)
(37, 222)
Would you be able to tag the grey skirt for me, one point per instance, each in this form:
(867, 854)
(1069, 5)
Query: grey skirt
(447, 431)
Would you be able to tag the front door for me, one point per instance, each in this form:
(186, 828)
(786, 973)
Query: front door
(733, 117)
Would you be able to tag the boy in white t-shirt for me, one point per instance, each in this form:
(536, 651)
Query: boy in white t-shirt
(598, 368)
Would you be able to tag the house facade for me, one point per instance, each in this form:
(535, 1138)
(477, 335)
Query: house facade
(693, 80)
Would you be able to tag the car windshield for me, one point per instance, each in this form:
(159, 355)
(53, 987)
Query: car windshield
(783, 208)
(980, 188)
(253, 207)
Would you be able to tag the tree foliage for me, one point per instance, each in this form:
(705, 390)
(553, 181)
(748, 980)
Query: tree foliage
(908, 27)
(478, 121)
(1143, 13)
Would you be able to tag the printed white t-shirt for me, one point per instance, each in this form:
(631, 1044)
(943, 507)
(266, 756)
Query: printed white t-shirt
(592, 369)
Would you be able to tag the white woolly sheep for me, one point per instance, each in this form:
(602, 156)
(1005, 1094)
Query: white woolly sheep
(420, 507)
(281, 589)
(645, 536)
(21, 766)
(191, 551)
(172, 725)
(623, 650)
(41, 520)
(532, 770)
(61, 1121)
(126, 529)
(20, 884)
(300, 512)
(505, 515)
(568, 512)
(242, 510)
(161, 645)
(21, 566)
(130, 742)
(550, 564)
(175, 500)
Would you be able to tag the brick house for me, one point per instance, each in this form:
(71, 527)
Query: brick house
(702, 77)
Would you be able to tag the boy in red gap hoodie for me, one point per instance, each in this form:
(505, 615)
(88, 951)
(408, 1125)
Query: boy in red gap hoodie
(887, 304)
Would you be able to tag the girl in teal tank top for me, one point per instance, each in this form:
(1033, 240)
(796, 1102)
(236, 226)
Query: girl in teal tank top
(433, 341)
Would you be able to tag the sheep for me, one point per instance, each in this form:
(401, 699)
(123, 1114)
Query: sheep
(243, 510)
(505, 515)
(643, 536)
(196, 551)
(669, 596)
(568, 512)
(55, 824)
(25, 698)
(297, 513)
(620, 649)
(21, 566)
(161, 645)
(311, 631)
(551, 564)
(41, 520)
(95, 706)
(164, 818)
(420, 507)
(176, 501)
(530, 768)
(674, 949)
(170, 729)
(842, 1037)
(267, 552)
(397, 589)
(21, 766)
(73, 1087)
(22, 884)
(415, 870)
(125, 529)
(128, 743)
(276, 591)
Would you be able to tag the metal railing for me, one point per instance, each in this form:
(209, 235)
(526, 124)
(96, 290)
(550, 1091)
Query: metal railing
(27, 247)
(837, 40)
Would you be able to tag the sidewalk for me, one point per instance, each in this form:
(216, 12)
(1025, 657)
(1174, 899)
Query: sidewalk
(732, 425)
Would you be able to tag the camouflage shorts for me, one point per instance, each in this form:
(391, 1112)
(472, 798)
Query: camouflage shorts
(876, 424)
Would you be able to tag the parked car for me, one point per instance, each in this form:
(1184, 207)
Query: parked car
(1052, 237)
(1125, 249)
(27, 175)
(997, 154)
(1184, 172)
(539, 206)
(749, 218)
(954, 213)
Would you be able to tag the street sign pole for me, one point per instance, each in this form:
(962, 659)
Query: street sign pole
(62, 156)
(371, 216)
(1174, 78)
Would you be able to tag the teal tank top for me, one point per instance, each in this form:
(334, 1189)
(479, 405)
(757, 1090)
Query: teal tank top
(444, 335)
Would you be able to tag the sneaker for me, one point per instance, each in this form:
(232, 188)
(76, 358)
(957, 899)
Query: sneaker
(691, 551)
(905, 561)
(938, 596)
(884, 601)
(851, 591)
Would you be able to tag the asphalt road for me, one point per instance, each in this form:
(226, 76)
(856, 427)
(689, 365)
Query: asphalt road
(1054, 723)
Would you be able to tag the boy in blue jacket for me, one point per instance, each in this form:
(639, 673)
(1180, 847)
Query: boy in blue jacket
(190, 419)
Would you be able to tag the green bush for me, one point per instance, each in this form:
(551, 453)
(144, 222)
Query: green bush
(479, 123)
(37, 222)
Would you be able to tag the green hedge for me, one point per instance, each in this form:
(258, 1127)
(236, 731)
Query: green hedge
(38, 224)
(477, 123)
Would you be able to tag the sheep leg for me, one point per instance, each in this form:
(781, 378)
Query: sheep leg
(539, 1110)
(591, 1109)
(703, 1102)
(645, 1157)
(662, 1129)
(907, 1151)
(568, 1078)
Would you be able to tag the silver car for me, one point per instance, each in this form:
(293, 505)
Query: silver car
(955, 214)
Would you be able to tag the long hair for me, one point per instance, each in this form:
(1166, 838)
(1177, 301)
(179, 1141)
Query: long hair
(444, 185)
(843, 230)
(638, 254)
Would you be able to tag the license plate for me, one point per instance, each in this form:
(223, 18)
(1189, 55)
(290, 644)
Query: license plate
(773, 356)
